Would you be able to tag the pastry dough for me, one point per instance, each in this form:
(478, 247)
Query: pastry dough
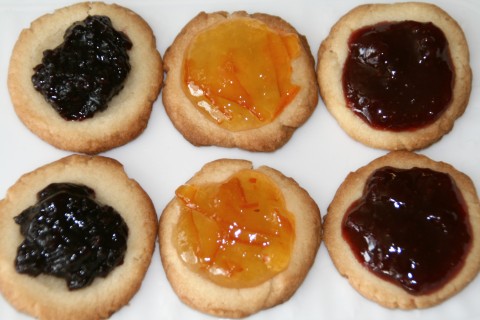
(333, 52)
(128, 112)
(202, 294)
(48, 297)
(365, 281)
(199, 130)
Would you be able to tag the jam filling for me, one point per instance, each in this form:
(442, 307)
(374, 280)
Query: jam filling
(238, 73)
(410, 227)
(68, 234)
(81, 75)
(237, 233)
(398, 76)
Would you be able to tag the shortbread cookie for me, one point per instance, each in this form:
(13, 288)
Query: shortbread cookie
(239, 80)
(127, 113)
(50, 297)
(236, 240)
(404, 230)
(384, 95)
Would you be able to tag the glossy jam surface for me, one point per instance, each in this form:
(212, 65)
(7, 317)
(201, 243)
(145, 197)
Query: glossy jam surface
(80, 76)
(237, 233)
(68, 234)
(398, 76)
(410, 227)
(238, 73)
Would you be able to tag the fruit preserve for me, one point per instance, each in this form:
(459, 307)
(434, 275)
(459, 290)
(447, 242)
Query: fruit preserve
(239, 73)
(81, 75)
(68, 234)
(410, 227)
(237, 233)
(398, 76)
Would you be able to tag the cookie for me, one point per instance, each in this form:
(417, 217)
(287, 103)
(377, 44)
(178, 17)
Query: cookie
(241, 267)
(404, 230)
(128, 112)
(239, 80)
(48, 297)
(402, 100)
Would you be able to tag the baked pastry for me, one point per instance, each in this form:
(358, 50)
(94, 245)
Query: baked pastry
(128, 111)
(404, 230)
(395, 76)
(45, 296)
(236, 240)
(239, 80)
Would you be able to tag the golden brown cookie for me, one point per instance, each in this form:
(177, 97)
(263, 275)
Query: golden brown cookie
(415, 289)
(227, 295)
(128, 112)
(333, 53)
(206, 122)
(47, 297)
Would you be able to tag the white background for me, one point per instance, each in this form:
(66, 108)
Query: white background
(318, 156)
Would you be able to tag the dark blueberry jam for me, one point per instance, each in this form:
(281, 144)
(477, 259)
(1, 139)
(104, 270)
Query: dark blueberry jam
(410, 227)
(80, 76)
(398, 76)
(68, 234)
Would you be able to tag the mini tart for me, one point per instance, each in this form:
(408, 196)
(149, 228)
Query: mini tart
(204, 295)
(334, 50)
(366, 282)
(48, 297)
(128, 112)
(200, 130)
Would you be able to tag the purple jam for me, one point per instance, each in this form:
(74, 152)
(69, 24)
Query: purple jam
(398, 76)
(410, 227)
(68, 234)
(86, 71)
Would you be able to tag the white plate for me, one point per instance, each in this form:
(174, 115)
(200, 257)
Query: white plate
(319, 156)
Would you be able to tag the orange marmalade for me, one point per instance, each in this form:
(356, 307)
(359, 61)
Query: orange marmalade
(238, 73)
(237, 233)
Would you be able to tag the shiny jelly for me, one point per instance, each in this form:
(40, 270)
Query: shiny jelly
(237, 233)
(398, 75)
(80, 76)
(68, 234)
(410, 227)
(238, 73)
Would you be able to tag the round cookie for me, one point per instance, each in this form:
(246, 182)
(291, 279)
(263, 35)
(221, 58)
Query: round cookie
(128, 112)
(333, 53)
(201, 131)
(201, 293)
(366, 282)
(48, 297)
